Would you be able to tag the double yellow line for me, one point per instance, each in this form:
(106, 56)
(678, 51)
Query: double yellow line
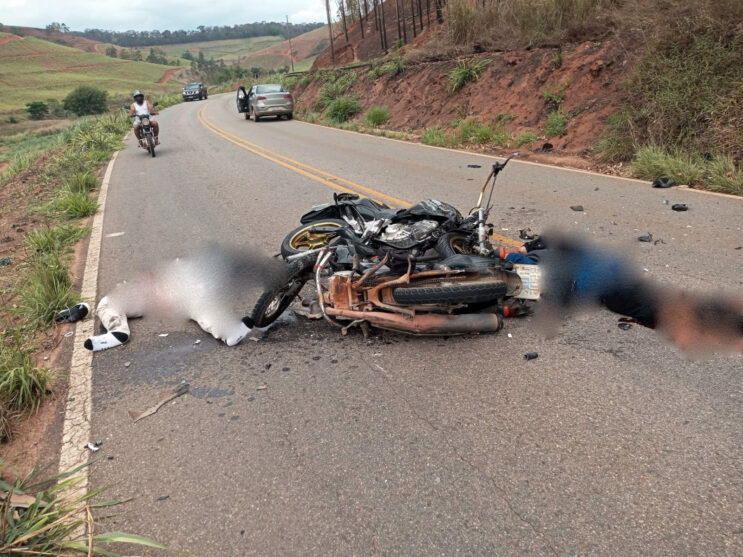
(325, 178)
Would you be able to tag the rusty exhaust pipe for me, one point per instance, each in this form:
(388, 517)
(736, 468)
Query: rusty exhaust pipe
(427, 323)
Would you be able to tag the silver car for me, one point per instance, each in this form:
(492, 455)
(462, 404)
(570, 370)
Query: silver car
(269, 100)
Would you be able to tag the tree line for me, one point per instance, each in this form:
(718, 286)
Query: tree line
(201, 33)
(411, 16)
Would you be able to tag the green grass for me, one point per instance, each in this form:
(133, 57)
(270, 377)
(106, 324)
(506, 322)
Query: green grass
(46, 289)
(464, 72)
(527, 138)
(652, 162)
(343, 108)
(75, 205)
(557, 124)
(336, 84)
(435, 135)
(22, 384)
(35, 70)
(57, 239)
(80, 182)
(377, 116)
(50, 526)
(555, 96)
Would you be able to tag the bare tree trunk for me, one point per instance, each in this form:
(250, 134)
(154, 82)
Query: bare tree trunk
(439, 12)
(397, 17)
(404, 28)
(330, 31)
(343, 16)
(420, 12)
(361, 19)
(384, 28)
(428, 12)
(376, 17)
(412, 16)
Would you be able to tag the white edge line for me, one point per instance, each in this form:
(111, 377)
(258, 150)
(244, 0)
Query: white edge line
(77, 427)
(532, 163)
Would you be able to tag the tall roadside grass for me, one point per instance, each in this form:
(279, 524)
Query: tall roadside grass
(55, 514)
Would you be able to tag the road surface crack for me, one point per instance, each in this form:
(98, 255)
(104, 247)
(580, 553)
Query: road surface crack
(501, 491)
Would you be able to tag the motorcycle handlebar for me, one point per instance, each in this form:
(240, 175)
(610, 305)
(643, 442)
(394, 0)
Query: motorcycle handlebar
(497, 167)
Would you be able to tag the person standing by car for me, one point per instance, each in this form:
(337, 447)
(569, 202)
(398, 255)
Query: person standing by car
(138, 110)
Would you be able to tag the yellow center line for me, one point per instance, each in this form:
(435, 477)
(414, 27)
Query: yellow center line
(315, 174)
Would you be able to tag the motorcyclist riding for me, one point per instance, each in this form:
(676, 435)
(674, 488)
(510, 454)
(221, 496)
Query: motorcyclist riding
(140, 108)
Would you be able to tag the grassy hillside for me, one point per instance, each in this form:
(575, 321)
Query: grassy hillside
(33, 69)
(229, 50)
(306, 47)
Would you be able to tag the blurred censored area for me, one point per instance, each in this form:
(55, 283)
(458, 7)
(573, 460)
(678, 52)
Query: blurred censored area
(578, 275)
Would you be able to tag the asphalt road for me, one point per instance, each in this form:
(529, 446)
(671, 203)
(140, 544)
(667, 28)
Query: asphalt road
(611, 442)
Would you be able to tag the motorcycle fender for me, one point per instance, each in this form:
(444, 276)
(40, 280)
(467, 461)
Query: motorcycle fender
(319, 212)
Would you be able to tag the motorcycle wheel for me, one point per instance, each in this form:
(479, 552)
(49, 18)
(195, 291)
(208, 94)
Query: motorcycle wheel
(302, 239)
(151, 145)
(453, 243)
(465, 293)
(273, 302)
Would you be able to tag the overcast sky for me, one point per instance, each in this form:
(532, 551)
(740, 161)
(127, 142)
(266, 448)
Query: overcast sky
(121, 15)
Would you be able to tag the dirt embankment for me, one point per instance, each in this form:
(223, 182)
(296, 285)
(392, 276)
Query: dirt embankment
(512, 89)
(67, 39)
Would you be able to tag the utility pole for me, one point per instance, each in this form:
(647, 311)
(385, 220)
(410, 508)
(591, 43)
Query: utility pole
(289, 35)
(330, 31)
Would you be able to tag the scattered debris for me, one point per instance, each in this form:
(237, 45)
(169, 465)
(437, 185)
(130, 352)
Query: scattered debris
(110, 457)
(163, 334)
(545, 148)
(531, 356)
(261, 387)
(680, 207)
(659, 241)
(474, 166)
(127, 364)
(5, 261)
(526, 234)
(73, 314)
(197, 341)
(510, 335)
(648, 238)
(576, 207)
(624, 326)
(665, 202)
(68, 334)
(663, 183)
(92, 447)
(739, 247)
(181, 389)
(163, 497)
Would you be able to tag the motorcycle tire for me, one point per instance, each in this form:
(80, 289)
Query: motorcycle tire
(465, 293)
(453, 243)
(151, 145)
(273, 302)
(300, 239)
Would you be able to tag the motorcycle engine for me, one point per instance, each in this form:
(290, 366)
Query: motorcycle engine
(405, 236)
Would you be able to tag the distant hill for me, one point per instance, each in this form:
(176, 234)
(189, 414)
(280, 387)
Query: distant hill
(306, 47)
(34, 69)
(229, 50)
(66, 39)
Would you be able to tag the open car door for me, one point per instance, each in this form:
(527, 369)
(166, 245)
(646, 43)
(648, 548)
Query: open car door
(242, 99)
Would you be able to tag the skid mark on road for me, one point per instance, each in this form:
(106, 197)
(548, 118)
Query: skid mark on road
(316, 174)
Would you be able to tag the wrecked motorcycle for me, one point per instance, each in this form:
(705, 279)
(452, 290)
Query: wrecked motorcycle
(460, 294)
(427, 225)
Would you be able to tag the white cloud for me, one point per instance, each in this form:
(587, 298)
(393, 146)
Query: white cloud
(121, 15)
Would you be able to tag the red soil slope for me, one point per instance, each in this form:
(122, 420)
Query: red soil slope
(513, 84)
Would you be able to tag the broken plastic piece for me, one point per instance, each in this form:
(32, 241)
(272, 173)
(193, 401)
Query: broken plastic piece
(648, 238)
(576, 207)
(526, 234)
(531, 356)
(73, 314)
(680, 207)
(624, 326)
(474, 166)
(68, 334)
(663, 183)
(92, 447)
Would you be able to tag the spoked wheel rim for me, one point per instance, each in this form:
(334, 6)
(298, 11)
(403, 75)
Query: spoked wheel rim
(458, 244)
(305, 239)
(278, 302)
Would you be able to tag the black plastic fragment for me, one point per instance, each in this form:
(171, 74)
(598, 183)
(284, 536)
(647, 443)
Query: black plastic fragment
(531, 356)
(680, 207)
(663, 183)
(624, 326)
(526, 234)
(576, 207)
(474, 166)
(648, 238)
